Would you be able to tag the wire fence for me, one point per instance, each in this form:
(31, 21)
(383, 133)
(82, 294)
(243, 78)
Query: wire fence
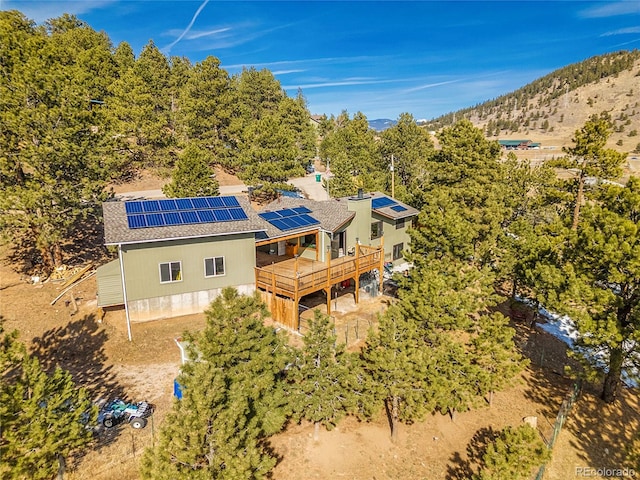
(348, 331)
(563, 413)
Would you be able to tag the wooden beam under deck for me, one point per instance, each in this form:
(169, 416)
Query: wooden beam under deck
(297, 277)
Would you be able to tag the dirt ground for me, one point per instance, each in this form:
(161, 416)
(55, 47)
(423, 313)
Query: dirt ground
(72, 333)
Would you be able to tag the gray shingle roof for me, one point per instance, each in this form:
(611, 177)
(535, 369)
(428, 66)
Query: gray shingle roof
(116, 228)
(332, 214)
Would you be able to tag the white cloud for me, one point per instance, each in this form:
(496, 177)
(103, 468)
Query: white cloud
(622, 31)
(195, 35)
(624, 7)
(186, 30)
(285, 72)
(342, 83)
(43, 11)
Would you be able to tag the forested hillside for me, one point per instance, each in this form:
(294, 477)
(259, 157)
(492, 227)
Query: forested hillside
(550, 109)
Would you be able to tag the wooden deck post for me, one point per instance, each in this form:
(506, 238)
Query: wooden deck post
(273, 290)
(381, 263)
(296, 299)
(357, 288)
(328, 284)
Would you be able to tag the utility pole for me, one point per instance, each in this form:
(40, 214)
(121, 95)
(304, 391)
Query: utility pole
(328, 173)
(393, 178)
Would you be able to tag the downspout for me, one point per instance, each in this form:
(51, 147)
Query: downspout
(124, 291)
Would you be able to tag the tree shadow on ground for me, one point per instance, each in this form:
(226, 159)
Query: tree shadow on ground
(460, 468)
(601, 432)
(87, 244)
(78, 347)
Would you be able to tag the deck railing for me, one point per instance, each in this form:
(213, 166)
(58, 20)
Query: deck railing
(296, 285)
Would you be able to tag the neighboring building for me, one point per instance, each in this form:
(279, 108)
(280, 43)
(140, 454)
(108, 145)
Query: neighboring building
(519, 144)
(176, 255)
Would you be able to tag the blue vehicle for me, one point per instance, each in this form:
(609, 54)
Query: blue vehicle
(118, 411)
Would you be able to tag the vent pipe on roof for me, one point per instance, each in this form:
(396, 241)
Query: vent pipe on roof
(360, 194)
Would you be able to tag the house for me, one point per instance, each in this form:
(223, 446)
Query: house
(176, 255)
(519, 144)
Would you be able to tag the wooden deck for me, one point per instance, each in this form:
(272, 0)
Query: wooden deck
(296, 277)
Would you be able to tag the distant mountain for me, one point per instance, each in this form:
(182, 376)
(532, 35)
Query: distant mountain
(552, 108)
(381, 124)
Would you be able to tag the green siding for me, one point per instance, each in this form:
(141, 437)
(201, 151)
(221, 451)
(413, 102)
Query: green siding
(142, 265)
(392, 236)
(109, 284)
(360, 226)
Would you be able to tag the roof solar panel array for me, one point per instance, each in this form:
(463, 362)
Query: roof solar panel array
(290, 218)
(182, 211)
(381, 202)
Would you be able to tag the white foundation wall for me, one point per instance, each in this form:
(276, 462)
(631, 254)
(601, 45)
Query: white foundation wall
(178, 305)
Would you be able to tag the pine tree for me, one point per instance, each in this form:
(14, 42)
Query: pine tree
(232, 398)
(45, 418)
(411, 147)
(592, 276)
(397, 359)
(56, 142)
(462, 200)
(513, 455)
(494, 354)
(140, 109)
(352, 151)
(318, 381)
(590, 158)
(205, 107)
(451, 373)
(192, 177)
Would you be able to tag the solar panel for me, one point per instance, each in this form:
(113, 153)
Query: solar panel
(150, 206)
(270, 215)
(238, 214)
(184, 204)
(230, 201)
(309, 219)
(215, 202)
(280, 225)
(200, 202)
(133, 207)
(222, 215)
(398, 208)
(381, 202)
(205, 216)
(136, 221)
(155, 220)
(189, 217)
(301, 210)
(296, 221)
(172, 218)
(286, 212)
(181, 211)
(168, 205)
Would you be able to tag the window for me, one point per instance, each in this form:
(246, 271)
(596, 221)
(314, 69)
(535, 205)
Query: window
(399, 223)
(376, 230)
(397, 250)
(309, 241)
(170, 272)
(213, 267)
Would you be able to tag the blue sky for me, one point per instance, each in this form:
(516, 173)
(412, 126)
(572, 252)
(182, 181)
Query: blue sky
(381, 58)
